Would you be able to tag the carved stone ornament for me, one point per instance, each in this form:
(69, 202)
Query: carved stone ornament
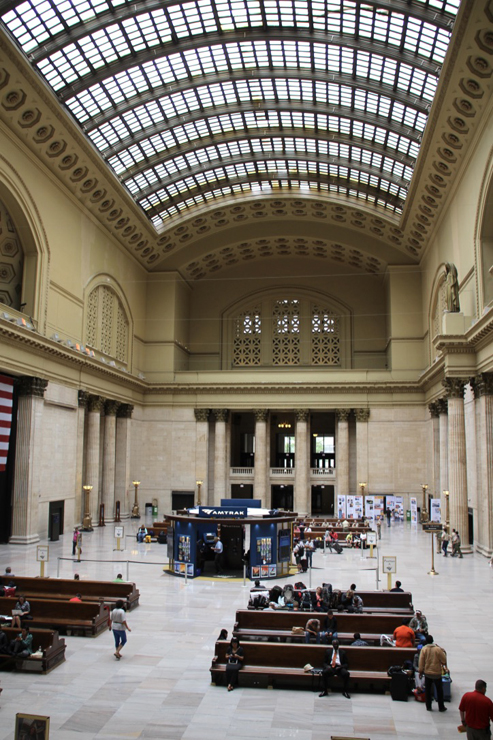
(454, 387)
(260, 414)
(434, 409)
(125, 411)
(82, 398)
(342, 414)
(482, 385)
(111, 407)
(442, 405)
(28, 386)
(220, 414)
(95, 403)
(301, 414)
(202, 414)
(362, 414)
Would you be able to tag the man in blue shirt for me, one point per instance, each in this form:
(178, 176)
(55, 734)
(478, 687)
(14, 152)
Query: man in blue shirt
(218, 558)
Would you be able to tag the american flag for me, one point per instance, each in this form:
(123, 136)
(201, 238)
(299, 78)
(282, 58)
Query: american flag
(6, 390)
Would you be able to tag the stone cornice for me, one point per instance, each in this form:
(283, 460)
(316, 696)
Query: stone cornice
(283, 388)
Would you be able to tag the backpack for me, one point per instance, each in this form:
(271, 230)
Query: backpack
(288, 592)
(306, 601)
(258, 602)
(335, 599)
(300, 586)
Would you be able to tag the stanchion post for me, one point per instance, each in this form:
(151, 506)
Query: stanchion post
(58, 567)
(244, 574)
(128, 570)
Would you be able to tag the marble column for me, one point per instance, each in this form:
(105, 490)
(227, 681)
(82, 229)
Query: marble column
(435, 447)
(342, 453)
(457, 472)
(109, 459)
(28, 461)
(483, 392)
(262, 452)
(95, 406)
(220, 491)
(362, 416)
(202, 453)
(83, 397)
(302, 497)
(122, 458)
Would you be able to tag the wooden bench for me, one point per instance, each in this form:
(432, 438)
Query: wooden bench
(67, 617)
(383, 602)
(64, 589)
(276, 626)
(271, 665)
(53, 647)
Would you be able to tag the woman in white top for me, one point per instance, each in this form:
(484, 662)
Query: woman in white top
(119, 627)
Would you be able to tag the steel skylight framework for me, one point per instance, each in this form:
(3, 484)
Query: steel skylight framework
(191, 101)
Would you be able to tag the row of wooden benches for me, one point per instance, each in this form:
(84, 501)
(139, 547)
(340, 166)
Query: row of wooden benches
(52, 651)
(63, 589)
(383, 602)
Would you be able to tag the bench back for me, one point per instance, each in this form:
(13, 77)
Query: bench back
(70, 587)
(284, 620)
(46, 608)
(45, 639)
(282, 655)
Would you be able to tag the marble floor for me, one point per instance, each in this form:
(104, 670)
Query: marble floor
(161, 687)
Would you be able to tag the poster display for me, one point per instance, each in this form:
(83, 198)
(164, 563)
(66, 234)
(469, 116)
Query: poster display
(184, 548)
(414, 510)
(358, 507)
(264, 551)
(378, 506)
(369, 508)
(341, 506)
(436, 512)
(399, 508)
(350, 507)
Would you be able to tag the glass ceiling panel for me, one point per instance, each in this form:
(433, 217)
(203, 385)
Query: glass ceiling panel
(246, 88)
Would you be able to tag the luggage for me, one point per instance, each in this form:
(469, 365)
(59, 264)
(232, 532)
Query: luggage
(337, 547)
(304, 565)
(447, 689)
(306, 601)
(275, 593)
(399, 686)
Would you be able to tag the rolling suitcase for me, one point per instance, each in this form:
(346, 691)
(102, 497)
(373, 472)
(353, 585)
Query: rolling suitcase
(337, 548)
(447, 689)
(399, 687)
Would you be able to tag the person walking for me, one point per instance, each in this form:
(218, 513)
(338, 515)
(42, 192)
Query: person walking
(75, 538)
(218, 557)
(431, 661)
(119, 626)
(476, 712)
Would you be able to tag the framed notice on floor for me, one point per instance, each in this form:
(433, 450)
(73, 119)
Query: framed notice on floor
(31, 727)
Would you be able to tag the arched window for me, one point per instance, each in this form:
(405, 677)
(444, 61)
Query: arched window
(296, 329)
(439, 304)
(107, 325)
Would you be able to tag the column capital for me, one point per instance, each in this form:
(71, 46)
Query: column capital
(111, 407)
(362, 414)
(201, 414)
(433, 409)
(95, 403)
(220, 414)
(125, 411)
(29, 386)
(342, 414)
(482, 385)
(301, 414)
(261, 414)
(82, 399)
(454, 387)
(442, 405)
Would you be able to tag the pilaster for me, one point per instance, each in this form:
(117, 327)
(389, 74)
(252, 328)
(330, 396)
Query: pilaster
(457, 472)
(302, 497)
(261, 470)
(342, 453)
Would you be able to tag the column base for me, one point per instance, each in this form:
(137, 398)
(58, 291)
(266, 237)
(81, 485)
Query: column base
(466, 549)
(18, 539)
(485, 551)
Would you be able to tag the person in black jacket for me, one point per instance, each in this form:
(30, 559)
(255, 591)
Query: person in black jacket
(329, 631)
(335, 664)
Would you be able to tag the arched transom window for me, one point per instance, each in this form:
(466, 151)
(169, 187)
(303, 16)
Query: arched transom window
(107, 324)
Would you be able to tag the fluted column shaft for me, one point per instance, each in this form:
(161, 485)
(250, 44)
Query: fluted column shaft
(457, 471)
(109, 460)
(122, 457)
(362, 416)
(302, 499)
(83, 398)
(342, 452)
(95, 406)
(260, 472)
(483, 391)
(443, 425)
(27, 482)
(435, 446)
(220, 456)
(202, 453)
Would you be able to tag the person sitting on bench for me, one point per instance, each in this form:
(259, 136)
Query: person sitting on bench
(335, 664)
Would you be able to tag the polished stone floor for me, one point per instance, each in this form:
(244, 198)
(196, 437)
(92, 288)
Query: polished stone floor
(161, 687)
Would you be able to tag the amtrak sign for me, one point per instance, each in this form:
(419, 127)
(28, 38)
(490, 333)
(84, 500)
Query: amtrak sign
(223, 512)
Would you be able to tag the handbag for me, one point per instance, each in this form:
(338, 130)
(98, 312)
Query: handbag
(298, 631)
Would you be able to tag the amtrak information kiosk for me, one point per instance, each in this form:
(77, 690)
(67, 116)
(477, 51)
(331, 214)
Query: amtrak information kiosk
(260, 538)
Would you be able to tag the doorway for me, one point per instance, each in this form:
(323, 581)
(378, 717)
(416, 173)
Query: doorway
(182, 500)
(55, 521)
(282, 498)
(241, 490)
(232, 538)
(323, 500)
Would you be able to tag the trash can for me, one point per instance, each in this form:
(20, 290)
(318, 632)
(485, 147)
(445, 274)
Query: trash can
(154, 507)
(408, 515)
(148, 510)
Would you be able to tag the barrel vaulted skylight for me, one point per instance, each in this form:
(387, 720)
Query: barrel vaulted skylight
(189, 102)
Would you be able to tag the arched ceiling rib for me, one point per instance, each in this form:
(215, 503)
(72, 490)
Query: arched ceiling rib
(161, 87)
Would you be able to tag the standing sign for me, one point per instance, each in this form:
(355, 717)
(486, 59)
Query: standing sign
(414, 510)
(358, 507)
(389, 566)
(119, 532)
(350, 507)
(42, 556)
(436, 514)
(378, 506)
(341, 506)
